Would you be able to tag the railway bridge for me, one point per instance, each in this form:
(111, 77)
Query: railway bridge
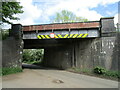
(79, 44)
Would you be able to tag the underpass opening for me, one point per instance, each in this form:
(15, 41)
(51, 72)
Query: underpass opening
(62, 53)
(32, 57)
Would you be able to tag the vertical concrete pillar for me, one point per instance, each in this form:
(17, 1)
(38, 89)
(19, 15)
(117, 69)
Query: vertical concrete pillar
(16, 31)
(108, 42)
(12, 48)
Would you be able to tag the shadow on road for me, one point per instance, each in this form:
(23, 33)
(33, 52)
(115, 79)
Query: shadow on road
(32, 66)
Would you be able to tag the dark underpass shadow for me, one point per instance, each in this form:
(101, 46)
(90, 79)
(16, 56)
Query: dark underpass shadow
(32, 66)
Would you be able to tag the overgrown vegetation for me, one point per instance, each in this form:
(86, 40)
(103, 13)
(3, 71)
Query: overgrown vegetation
(103, 71)
(98, 72)
(33, 56)
(12, 70)
(5, 34)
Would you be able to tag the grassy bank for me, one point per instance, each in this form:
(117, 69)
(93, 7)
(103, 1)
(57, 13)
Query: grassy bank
(113, 75)
(7, 71)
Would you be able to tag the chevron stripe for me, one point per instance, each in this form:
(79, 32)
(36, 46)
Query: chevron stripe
(60, 36)
(70, 35)
(85, 35)
(66, 36)
(80, 35)
(38, 36)
(47, 36)
(56, 36)
(75, 36)
(42, 36)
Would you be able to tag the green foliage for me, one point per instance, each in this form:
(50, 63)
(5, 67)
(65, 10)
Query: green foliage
(115, 74)
(103, 71)
(5, 34)
(9, 9)
(31, 56)
(66, 16)
(99, 70)
(6, 71)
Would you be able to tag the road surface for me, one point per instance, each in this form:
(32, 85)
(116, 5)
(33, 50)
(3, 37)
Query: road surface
(51, 78)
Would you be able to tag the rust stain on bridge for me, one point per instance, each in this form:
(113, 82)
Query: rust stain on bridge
(60, 26)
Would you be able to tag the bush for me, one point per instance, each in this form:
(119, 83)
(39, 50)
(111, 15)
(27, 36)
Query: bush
(99, 70)
(31, 56)
(6, 71)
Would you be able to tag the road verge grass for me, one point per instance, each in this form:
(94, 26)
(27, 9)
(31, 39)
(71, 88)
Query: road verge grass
(7, 71)
(112, 75)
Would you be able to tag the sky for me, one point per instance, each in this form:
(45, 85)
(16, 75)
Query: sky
(43, 11)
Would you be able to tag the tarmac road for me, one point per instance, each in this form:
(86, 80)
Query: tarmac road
(37, 77)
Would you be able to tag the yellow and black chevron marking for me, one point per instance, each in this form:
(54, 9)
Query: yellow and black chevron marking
(43, 36)
(63, 36)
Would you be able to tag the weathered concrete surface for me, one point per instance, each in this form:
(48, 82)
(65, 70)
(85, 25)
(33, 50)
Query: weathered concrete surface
(98, 52)
(12, 48)
(60, 57)
(49, 78)
(11, 53)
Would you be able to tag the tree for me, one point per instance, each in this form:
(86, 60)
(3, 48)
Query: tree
(9, 9)
(66, 16)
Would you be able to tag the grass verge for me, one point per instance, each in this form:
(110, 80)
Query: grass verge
(7, 71)
(112, 75)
